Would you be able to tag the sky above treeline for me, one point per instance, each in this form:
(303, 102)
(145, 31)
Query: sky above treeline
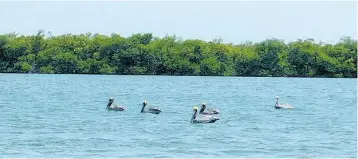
(233, 21)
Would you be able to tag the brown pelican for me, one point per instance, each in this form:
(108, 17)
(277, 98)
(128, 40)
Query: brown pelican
(209, 111)
(207, 119)
(150, 109)
(112, 106)
(282, 106)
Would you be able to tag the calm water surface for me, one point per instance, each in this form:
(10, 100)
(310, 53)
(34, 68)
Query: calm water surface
(66, 116)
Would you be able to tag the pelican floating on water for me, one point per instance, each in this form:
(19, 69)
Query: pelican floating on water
(209, 111)
(282, 106)
(150, 109)
(112, 106)
(207, 119)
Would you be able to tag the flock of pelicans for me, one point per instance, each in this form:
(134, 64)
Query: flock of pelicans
(207, 115)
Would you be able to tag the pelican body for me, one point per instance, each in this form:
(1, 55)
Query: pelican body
(208, 112)
(282, 106)
(209, 119)
(112, 106)
(150, 109)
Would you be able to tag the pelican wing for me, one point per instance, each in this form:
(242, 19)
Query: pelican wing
(207, 113)
(211, 120)
(212, 111)
(287, 106)
(116, 107)
(207, 118)
(155, 108)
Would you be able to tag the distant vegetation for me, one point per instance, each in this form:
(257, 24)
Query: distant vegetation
(143, 54)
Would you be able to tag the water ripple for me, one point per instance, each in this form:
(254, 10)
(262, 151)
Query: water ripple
(65, 115)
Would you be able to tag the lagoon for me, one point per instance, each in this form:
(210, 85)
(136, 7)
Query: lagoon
(65, 116)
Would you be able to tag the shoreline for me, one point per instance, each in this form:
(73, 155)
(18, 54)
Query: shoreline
(181, 75)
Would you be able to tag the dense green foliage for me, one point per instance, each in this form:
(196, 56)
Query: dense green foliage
(142, 54)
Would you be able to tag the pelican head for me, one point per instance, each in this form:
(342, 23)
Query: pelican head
(203, 106)
(145, 102)
(195, 111)
(110, 101)
(195, 108)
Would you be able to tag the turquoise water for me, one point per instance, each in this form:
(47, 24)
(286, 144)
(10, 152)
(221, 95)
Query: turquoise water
(66, 116)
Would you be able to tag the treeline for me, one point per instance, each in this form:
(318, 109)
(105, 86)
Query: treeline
(143, 54)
